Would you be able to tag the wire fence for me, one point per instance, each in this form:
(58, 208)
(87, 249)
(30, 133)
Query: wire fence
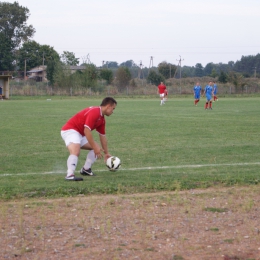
(141, 88)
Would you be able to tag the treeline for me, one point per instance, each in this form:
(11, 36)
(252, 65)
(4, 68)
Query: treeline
(248, 66)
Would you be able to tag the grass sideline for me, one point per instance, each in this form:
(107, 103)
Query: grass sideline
(162, 144)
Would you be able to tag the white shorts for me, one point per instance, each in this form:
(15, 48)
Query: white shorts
(72, 136)
(162, 95)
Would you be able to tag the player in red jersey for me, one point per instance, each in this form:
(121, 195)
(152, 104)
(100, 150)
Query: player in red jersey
(77, 135)
(161, 90)
(165, 95)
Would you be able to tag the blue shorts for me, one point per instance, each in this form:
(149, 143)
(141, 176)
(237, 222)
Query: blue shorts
(197, 96)
(208, 97)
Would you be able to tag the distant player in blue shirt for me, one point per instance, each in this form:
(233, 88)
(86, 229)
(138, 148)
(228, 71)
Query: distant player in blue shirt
(197, 92)
(215, 91)
(208, 92)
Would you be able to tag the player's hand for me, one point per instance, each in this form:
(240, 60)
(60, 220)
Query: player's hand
(98, 152)
(107, 156)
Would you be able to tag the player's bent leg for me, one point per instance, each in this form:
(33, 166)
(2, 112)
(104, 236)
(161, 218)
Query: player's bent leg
(74, 150)
(72, 140)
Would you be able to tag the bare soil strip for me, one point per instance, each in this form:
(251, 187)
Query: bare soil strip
(219, 223)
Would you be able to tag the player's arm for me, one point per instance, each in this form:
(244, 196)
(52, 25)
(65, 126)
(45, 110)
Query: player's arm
(203, 92)
(103, 141)
(92, 143)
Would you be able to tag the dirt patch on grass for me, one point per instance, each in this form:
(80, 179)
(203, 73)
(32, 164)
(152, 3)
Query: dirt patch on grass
(209, 224)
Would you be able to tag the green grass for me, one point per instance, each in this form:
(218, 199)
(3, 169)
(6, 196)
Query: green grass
(176, 146)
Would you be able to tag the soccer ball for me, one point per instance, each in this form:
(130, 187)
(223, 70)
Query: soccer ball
(113, 163)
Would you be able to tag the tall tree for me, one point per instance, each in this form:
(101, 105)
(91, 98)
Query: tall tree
(6, 54)
(247, 64)
(198, 70)
(13, 28)
(213, 73)
(107, 75)
(69, 58)
(111, 64)
(123, 76)
(36, 55)
(208, 69)
(13, 24)
(129, 64)
(237, 80)
(167, 69)
(30, 51)
(90, 76)
(223, 77)
(54, 65)
(155, 78)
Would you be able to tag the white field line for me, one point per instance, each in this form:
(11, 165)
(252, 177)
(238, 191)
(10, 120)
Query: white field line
(142, 168)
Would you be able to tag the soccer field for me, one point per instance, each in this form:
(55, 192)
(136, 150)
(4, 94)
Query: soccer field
(174, 146)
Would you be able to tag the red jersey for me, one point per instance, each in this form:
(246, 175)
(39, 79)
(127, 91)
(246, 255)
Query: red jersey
(161, 88)
(90, 117)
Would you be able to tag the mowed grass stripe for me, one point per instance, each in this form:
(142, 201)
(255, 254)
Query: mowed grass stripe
(143, 168)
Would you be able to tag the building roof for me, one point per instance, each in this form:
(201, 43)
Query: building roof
(77, 67)
(38, 69)
(5, 76)
(34, 71)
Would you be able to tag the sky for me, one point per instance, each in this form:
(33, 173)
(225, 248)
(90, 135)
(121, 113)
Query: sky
(148, 31)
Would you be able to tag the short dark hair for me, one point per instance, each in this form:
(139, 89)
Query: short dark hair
(108, 101)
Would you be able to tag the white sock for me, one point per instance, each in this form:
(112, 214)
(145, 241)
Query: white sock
(72, 164)
(91, 158)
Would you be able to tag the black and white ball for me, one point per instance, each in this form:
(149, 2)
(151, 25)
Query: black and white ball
(113, 163)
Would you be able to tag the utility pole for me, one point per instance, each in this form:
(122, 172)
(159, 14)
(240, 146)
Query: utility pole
(43, 58)
(24, 76)
(140, 71)
(88, 59)
(179, 64)
(151, 63)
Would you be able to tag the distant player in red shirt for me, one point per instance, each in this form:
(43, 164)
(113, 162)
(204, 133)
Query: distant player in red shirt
(77, 135)
(165, 95)
(161, 90)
